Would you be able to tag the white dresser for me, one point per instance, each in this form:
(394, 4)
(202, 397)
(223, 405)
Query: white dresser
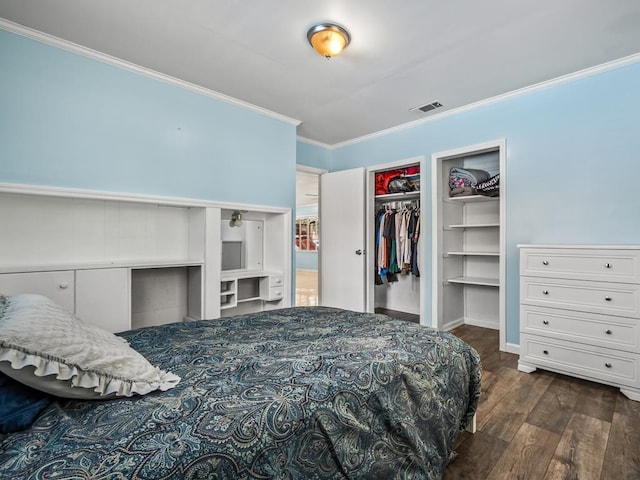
(580, 312)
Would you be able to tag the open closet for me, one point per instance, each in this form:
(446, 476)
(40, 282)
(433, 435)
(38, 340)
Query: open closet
(469, 242)
(395, 241)
(350, 212)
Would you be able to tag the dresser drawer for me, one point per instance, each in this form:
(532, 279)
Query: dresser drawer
(607, 331)
(601, 364)
(584, 264)
(597, 297)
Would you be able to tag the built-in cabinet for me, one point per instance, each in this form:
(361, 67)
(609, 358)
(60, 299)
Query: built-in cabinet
(580, 312)
(468, 255)
(124, 262)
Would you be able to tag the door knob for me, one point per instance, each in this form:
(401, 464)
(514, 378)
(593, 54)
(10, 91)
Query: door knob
(359, 252)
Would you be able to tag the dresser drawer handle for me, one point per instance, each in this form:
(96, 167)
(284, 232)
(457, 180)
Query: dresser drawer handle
(608, 365)
(63, 286)
(608, 332)
(545, 322)
(607, 298)
(545, 292)
(546, 352)
(608, 265)
(545, 262)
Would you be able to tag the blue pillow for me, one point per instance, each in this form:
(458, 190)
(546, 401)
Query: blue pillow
(19, 405)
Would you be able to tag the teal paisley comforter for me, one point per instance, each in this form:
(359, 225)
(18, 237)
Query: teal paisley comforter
(300, 393)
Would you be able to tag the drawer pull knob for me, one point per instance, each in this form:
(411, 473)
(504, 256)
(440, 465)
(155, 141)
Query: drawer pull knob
(546, 352)
(608, 365)
(608, 332)
(608, 265)
(545, 292)
(545, 322)
(64, 286)
(545, 262)
(607, 298)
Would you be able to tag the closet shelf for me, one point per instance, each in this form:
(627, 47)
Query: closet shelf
(480, 254)
(398, 196)
(476, 225)
(471, 198)
(487, 282)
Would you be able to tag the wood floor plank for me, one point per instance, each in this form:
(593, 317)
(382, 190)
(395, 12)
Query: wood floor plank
(528, 454)
(622, 458)
(556, 406)
(495, 387)
(477, 455)
(504, 422)
(580, 452)
(626, 406)
(597, 400)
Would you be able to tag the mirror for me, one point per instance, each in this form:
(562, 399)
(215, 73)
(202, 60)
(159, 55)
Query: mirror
(242, 244)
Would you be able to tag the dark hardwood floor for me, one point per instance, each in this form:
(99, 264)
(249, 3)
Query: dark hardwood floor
(544, 425)
(409, 317)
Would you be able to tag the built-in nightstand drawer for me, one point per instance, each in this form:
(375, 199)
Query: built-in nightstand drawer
(598, 297)
(275, 281)
(588, 328)
(272, 288)
(585, 264)
(596, 363)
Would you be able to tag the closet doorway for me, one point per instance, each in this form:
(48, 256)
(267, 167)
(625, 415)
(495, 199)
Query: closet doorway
(306, 238)
(395, 240)
(349, 267)
(468, 224)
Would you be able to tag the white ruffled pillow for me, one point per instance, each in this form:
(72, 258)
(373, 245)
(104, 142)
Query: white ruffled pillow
(49, 349)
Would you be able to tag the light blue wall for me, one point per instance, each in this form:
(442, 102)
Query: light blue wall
(307, 261)
(572, 164)
(70, 121)
(311, 155)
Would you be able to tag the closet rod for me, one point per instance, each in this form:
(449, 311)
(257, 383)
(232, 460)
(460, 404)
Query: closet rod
(395, 204)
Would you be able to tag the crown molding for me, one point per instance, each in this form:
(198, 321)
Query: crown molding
(310, 141)
(587, 72)
(132, 67)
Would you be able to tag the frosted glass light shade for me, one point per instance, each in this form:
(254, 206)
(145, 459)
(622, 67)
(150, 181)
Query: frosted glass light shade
(328, 39)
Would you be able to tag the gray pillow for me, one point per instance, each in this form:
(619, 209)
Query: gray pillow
(47, 348)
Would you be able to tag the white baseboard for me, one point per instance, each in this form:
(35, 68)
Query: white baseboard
(512, 348)
(482, 323)
(453, 324)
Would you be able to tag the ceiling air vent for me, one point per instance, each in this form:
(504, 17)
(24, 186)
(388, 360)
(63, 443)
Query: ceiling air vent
(427, 108)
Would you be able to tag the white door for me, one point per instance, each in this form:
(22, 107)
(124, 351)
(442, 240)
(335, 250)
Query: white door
(342, 240)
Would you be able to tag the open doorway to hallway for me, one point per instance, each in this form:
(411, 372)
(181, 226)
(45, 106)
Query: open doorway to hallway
(306, 236)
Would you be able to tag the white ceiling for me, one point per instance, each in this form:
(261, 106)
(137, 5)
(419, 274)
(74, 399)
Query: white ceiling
(403, 54)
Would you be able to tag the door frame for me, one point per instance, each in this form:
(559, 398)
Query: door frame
(436, 227)
(370, 206)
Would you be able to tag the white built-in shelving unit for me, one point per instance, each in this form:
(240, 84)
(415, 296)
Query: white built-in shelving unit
(468, 256)
(127, 261)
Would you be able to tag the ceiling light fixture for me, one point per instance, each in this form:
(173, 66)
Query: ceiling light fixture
(328, 39)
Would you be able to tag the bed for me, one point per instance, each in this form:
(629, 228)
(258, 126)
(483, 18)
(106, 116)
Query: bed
(297, 393)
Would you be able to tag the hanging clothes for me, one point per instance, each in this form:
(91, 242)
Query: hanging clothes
(396, 242)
